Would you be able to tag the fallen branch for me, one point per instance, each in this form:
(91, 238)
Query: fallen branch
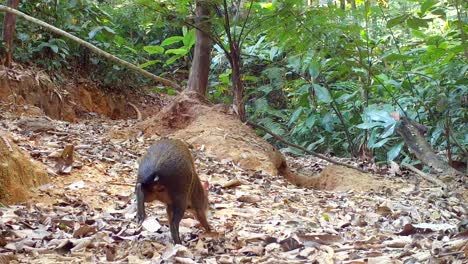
(315, 154)
(92, 48)
(425, 176)
(412, 134)
(139, 116)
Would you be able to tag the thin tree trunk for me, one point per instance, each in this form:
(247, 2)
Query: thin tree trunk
(9, 26)
(92, 48)
(343, 4)
(198, 79)
(237, 85)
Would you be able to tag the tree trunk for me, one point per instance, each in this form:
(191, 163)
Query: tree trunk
(343, 4)
(198, 79)
(353, 4)
(9, 26)
(237, 85)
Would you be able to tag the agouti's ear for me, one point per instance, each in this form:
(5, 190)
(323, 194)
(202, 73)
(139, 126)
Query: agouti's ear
(206, 185)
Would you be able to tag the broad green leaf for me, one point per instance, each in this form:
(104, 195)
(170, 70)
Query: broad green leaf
(380, 115)
(180, 51)
(154, 49)
(388, 130)
(418, 34)
(314, 68)
(295, 116)
(396, 57)
(172, 40)
(381, 143)
(416, 23)
(310, 121)
(322, 93)
(189, 38)
(397, 20)
(427, 5)
(171, 91)
(369, 125)
(273, 53)
(54, 48)
(394, 151)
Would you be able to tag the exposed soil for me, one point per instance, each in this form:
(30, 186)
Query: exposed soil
(32, 93)
(18, 172)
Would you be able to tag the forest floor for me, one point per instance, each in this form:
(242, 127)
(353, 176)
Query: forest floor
(86, 215)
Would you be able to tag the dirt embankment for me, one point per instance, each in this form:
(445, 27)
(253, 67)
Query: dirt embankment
(18, 172)
(27, 92)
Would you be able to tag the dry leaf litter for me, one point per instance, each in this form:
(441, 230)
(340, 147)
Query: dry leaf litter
(86, 214)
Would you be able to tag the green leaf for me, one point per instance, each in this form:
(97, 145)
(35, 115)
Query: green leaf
(154, 49)
(170, 91)
(273, 53)
(322, 93)
(179, 51)
(397, 20)
(388, 130)
(172, 40)
(381, 143)
(310, 121)
(295, 116)
(189, 39)
(418, 34)
(369, 125)
(427, 5)
(314, 69)
(394, 151)
(172, 59)
(416, 23)
(396, 57)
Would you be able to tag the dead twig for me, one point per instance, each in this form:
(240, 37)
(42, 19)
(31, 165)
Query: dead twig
(425, 176)
(315, 154)
(139, 116)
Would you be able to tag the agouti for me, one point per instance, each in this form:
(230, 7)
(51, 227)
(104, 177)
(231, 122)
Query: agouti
(167, 174)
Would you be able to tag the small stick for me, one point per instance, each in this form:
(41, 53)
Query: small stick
(425, 176)
(139, 116)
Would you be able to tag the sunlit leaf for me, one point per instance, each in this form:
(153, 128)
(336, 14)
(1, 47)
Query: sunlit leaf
(172, 40)
(322, 94)
(154, 49)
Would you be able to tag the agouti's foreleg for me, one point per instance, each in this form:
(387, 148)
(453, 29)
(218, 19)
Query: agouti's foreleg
(140, 217)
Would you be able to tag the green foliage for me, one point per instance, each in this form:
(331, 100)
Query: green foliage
(345, 71)
(321, 77)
